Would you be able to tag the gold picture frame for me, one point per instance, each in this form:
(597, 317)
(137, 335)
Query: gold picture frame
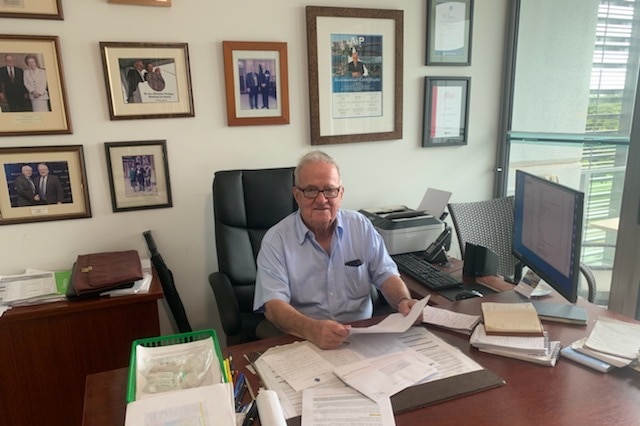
(32, 9)
(147, 80)
(164, 3)
(354, 100)
(25, 197)
(33, 99)
(256, 82)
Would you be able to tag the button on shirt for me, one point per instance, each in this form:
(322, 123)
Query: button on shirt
(293, 267)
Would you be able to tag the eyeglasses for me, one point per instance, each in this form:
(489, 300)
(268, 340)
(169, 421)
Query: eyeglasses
(313, 192)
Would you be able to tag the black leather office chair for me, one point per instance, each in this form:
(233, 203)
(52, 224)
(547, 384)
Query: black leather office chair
(490, 224)
(171, 296)
(246, 203)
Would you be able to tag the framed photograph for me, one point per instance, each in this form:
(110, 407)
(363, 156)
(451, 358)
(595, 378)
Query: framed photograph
(147, 80)
(165, 3)
(38, 184)
(36, 9)
(256, 82)
(449, 24)
(33, 99)
(138, 175)
(446, 110)
(355, 74)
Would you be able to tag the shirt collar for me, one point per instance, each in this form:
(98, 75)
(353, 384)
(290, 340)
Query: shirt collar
(303, 232)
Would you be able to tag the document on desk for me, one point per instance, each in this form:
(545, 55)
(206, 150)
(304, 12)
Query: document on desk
(615, 337)
(396, 322)
(22, 287)
(449, 360)
(326, 407)
(207, 406)
(386, 375)
(462, 323)
(301, 367)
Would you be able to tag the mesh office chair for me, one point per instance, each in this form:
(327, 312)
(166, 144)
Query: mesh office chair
(171, 296)
(490, 224)
(246, 203)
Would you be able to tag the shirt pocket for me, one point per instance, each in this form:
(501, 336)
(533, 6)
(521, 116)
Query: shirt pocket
(357, 281)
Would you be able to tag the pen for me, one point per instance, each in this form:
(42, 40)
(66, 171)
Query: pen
(240, 395)
(239, 385)
(231, 367)
(251, 415)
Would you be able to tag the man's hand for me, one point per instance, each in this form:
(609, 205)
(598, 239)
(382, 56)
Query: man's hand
(404, 307)
(328, 334)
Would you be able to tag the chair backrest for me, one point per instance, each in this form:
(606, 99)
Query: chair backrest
(246, 203)
(489, 224)
(171, 295)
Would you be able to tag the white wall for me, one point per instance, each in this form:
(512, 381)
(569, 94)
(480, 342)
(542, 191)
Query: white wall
(374, 173)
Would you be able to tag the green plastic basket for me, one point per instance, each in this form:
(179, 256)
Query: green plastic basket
(173, 339)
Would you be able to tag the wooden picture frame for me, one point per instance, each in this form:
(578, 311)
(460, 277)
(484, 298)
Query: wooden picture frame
(62, 195)
(446, 111)
(449, 29)
(256, 81)
(138, 175)
(361, 101)
(147, 80)
(164, 3)
(33, 98)
(32, 9)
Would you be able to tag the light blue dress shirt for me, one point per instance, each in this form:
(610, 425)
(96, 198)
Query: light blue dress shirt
(293, 267)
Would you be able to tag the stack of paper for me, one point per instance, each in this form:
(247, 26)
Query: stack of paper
(461, 323)
(612, 343)
(536, 349)
(33, 287)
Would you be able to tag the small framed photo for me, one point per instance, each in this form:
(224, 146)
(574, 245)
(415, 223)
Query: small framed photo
(33, 99)
(43, 183)
(355, 74)
(138, 175)
(36, 9)
(147, 80)
(446, 108)
(256, 82)
(449, 25)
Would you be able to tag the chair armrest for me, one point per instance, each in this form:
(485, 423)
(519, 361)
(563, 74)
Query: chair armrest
(227, 303)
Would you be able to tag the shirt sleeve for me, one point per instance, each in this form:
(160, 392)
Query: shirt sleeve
(272, 280)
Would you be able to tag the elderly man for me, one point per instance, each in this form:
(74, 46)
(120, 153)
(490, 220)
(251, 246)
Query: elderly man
(316, 266)
(26, 188)
(49, 186)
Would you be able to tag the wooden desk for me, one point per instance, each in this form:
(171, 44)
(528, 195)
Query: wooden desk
(567, 394)
(48, 350)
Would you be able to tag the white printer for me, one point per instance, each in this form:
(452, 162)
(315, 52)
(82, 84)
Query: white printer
(403, 229)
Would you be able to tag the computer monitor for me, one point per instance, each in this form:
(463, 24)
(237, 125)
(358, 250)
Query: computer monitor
(547, 231)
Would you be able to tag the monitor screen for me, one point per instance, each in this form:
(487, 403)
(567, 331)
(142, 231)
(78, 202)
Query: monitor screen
(547, 231)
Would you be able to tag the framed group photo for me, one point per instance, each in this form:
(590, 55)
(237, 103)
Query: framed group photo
(36, 9)
(43, 183)
(449, 27)
(256, 82)
(33, 98)
(355, 74)
(147, 80)
(138, 175)
(446, 111)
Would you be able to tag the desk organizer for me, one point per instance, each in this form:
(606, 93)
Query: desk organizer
(173, 339)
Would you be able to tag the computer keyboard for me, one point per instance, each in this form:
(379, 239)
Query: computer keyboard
(424, 272)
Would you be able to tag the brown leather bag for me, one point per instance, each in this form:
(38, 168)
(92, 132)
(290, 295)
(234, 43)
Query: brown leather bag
(98, 272)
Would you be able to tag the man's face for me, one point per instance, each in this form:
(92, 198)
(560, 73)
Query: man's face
(27, 171)
(319, 212)
(43, 170)
(138, 65)
(355, 56)
(9, 60)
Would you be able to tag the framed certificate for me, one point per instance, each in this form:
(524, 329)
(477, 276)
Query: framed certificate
(449, 24)
(446, 107)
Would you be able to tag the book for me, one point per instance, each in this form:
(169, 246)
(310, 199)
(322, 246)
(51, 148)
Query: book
(514, 319)
(548, 359)
(594, 363)
(614, 337)
(538, 345)
(454, 321)
(609, 359)
(570, 314)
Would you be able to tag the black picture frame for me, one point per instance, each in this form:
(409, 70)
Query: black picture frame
(446, 111)
(449, 30)
(138, 175)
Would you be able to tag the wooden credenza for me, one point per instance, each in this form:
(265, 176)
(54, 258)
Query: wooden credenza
(46, 352)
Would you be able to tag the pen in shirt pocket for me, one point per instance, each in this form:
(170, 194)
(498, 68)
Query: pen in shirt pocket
(356, 262)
